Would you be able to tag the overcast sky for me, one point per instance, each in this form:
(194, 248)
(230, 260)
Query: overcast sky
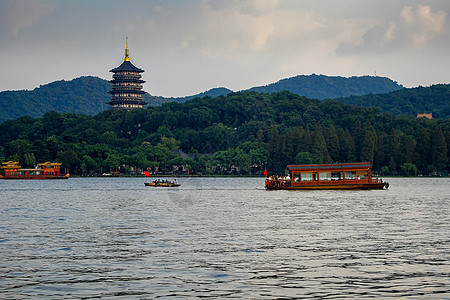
(189, 46)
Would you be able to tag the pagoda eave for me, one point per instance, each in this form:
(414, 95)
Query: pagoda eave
(117, 80)
(127, 102)
(118, 92)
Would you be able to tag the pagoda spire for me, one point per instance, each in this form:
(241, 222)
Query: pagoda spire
(127, 52)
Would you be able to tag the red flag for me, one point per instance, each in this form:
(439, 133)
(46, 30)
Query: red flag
(265, 172)
(147, 174)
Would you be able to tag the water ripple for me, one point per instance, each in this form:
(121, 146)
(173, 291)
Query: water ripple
(223, 238)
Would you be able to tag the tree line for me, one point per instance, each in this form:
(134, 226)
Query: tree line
(240, 133)
(409, 102)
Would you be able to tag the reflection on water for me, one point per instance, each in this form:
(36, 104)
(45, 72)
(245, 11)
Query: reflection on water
(223, 237)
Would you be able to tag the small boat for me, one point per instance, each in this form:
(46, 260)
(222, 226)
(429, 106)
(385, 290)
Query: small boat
(349, 176)
(47, 170)
(162, 184)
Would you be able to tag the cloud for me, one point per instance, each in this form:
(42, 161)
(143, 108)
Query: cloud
(422, 25)
(248, 26)
(18, 15)
(413, 29)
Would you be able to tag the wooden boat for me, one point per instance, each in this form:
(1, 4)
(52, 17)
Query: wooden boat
(47, 170)
(162, 184)
(327, 177)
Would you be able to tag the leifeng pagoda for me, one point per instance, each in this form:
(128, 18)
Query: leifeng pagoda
(127, 90)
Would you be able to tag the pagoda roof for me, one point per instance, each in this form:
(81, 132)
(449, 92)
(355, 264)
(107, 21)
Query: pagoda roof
(126, 66)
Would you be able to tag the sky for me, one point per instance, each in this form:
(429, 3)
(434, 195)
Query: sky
(190, 46)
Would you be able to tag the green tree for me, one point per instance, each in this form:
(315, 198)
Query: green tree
(438, 149)
(319, 148)
(332, 142)
(20, 150)
(408, 169)
(112, 162)
(171, 143)
(69, 160)
(369, 143)
(306, 158)
(422, 155)
(393, 149)
(29, 159)
(89, 165)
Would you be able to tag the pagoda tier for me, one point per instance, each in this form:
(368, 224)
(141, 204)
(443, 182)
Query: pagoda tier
(127, 85)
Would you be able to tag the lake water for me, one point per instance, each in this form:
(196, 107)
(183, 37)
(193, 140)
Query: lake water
(222, 238)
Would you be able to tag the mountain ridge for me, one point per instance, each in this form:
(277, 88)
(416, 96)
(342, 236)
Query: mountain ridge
(89, 95)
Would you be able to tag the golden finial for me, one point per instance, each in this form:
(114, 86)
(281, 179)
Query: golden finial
(127, 52)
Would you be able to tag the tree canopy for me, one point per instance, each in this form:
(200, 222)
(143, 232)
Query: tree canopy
(241, 133)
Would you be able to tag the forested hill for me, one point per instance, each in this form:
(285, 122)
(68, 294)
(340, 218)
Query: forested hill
(89, 95)
(434, 99)
(330, 87)
(84, 95)
(241, 133)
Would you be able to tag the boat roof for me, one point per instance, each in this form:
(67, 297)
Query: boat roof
(321, 167)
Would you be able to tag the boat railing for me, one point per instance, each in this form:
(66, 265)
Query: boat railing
(272, 183)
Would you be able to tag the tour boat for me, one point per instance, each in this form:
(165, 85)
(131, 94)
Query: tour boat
(326, 177)
(47, 170)
(162, 184)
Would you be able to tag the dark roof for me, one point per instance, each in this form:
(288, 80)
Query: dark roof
(330, 166)
(126, 66)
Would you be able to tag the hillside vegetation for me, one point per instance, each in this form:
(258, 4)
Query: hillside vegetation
(241, 133)
(84, 95)
(409, 102)
(330, 87)
(89, 95)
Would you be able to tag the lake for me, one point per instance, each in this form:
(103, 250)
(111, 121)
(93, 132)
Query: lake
(222, 238)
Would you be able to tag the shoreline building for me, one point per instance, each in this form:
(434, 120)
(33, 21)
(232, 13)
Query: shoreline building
(127, 90)
(425, 115)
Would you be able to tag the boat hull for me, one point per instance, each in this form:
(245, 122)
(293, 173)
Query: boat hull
(37, 177)
(363, 186)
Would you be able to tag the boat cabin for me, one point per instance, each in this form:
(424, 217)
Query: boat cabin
(10, 168)
(47, 170)
(50, 169)
(326, 176)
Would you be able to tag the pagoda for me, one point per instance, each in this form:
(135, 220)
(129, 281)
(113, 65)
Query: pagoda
(127, 90)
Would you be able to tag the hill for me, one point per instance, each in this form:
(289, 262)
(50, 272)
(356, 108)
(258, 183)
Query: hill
(84, 95)
(89, 95)
(434, 99)
(215, 92)
(329, 87)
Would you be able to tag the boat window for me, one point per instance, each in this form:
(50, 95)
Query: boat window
(336, 176)
(296, 177)
(307, 177)
(325, 176)
(350, 174)
(362, 174)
